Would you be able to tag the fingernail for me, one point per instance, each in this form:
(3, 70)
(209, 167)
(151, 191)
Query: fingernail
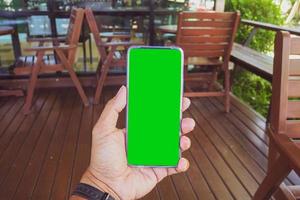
(183, 165)
(120, 91)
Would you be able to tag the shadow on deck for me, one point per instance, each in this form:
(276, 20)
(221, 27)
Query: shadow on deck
(43, 155)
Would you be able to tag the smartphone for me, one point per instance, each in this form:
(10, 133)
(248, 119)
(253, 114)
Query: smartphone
(154, 83)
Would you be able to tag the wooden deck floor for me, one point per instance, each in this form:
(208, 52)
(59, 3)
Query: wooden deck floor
(43, 155)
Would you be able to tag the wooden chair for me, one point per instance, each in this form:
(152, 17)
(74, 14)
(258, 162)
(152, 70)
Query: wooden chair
(207, 38)
(66, 57)
(110, 53)
(7, 30)
(284, 125)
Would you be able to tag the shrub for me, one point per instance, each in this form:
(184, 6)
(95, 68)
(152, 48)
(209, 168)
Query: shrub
(250, 88)
(261, 11)
(253, 90)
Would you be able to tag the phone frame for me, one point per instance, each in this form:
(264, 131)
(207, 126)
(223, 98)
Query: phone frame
(181, 95)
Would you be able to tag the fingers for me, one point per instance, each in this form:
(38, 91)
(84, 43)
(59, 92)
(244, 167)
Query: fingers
(187, 125)
(109, 117)
(186, 102)
(161, 173)
(182, 166)
(185, 143)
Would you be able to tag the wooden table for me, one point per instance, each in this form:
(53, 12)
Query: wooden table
(8, 30)
(12, 23)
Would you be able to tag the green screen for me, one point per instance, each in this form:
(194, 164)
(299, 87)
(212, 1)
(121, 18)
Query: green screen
(154, 106)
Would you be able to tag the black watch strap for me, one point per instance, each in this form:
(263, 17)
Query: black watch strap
(91, 193)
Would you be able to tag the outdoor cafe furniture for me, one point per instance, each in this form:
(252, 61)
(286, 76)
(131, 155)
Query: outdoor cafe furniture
(207, 38)
(284, 125)
(14, 34)
(7, 30)
(66, 56)
(112, 54)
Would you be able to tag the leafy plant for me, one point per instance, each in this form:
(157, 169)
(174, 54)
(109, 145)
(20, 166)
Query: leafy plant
(253, 89)
(261, 11)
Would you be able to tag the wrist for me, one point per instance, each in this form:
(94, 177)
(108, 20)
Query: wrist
(90, 179)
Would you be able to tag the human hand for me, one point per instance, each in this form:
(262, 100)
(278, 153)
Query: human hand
(108, 170)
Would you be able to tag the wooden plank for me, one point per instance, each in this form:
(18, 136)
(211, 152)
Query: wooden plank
(12, 149)
(199, 53)
(246, 138)
(208, 23)
(209, 31)
(203, 94)
(183, 187)
(55, 82)
(293, 109)
(230, 181)
(215, 182)
(39, 156)
(255, 62)
(83, 151)
(292, 128)
(10, 175)
(166, 189)
(292, 178)
(197, 46)
(209, 15)
(46, 177)
(5, 108)
(204, 39)
(245, 180)
(228, 178)
(293, 88)
(260, 158)
(151, 195)
(10, 115)
(260, 133)
(222, 131)
(61, 184)
(249, 112)
(197, 180)
(295, 45)
(294, 67)
(12, 130)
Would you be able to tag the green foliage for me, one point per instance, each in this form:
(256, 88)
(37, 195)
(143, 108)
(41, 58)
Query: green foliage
(2, 4)
(253, 90)
(261, 11)
(250, 88)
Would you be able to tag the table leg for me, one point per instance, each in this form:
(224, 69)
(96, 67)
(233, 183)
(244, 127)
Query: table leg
(16, 43)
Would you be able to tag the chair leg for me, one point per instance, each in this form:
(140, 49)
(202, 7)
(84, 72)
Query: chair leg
(100, 84)
(227, 89)
(74, 77)
(30, 89)
(32, 83)
(78, 87)
(273, 154)
(279, 170)
(103, 75)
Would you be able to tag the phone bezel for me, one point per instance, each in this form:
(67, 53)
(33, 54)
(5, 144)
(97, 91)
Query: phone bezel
(181, 94)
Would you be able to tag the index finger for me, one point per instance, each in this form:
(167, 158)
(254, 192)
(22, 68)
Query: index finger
(186, 102)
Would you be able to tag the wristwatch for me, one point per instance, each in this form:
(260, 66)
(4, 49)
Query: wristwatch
(91, 193)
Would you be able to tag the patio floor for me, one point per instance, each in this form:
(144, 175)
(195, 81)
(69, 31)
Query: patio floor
(43, 155)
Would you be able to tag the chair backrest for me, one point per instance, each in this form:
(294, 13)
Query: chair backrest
(95, 31)
(74, 30)
(207, 33)
(285, 109)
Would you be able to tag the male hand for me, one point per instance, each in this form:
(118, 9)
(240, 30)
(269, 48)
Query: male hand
(108, 168)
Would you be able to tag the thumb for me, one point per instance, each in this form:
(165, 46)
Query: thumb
(109, 117)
